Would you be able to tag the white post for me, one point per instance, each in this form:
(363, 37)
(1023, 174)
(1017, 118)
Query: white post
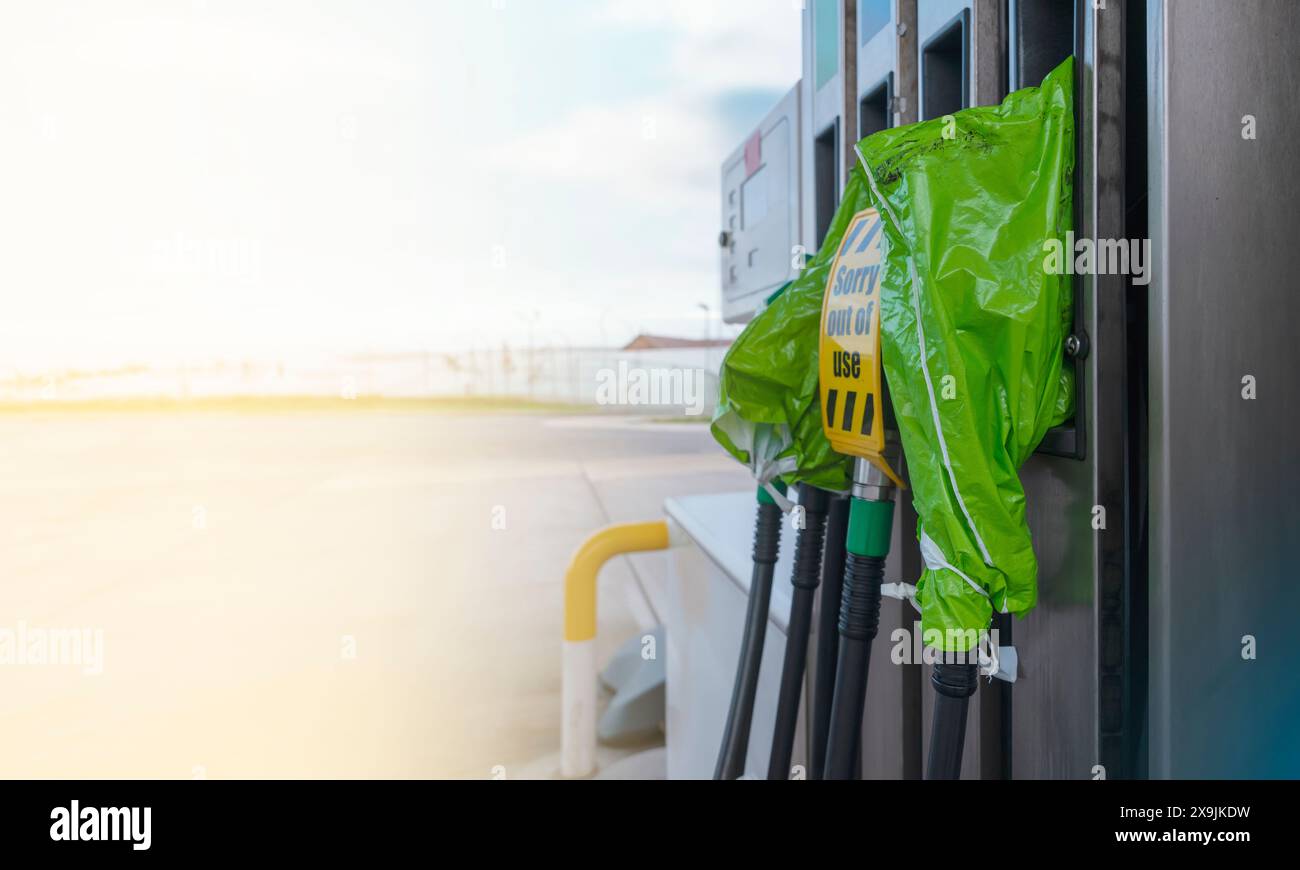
(578, 697)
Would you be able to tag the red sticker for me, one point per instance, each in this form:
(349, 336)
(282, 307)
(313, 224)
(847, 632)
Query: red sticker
(753, 153)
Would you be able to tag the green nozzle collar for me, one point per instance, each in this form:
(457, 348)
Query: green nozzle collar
(870, 526)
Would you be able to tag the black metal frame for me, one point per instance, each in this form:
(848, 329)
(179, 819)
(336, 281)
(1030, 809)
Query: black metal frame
(1070, 439)
(1118, 455)
(836, 132)
(888, 84)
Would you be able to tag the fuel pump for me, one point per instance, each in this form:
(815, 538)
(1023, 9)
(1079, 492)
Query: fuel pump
(851, 397)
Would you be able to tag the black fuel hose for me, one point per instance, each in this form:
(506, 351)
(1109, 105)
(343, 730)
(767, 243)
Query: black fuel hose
(828, 635)
(767, 545)
(1004, 700)
(954, 682)
(859, 622)
(804, 579)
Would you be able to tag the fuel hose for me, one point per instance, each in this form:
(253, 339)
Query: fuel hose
(954, 681)
(804, 579)
(828, 618)
(767, 545)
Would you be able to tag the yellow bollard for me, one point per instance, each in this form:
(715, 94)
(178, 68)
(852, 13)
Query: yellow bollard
(578, 677)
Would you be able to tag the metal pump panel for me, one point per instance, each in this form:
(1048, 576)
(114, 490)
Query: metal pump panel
(760, 212)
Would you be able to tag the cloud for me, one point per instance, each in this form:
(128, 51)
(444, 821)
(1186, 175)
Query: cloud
(614, 203)
(650, 150)
(718, 43)
(729, 63)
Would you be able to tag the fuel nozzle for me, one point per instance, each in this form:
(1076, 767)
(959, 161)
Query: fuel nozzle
(871, 523)
(852, 391)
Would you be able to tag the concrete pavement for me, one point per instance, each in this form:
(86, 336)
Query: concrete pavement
(315, 594)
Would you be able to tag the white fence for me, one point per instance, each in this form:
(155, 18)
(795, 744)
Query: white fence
(662, 378)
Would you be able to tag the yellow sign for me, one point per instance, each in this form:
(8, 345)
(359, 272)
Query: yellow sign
(849, 365)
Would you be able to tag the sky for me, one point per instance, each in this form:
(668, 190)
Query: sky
(187, 180)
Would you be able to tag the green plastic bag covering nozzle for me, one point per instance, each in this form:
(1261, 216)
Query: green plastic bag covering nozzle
(973, 322)
(769, 411)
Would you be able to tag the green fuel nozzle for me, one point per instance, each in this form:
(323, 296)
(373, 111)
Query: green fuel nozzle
(871, 523)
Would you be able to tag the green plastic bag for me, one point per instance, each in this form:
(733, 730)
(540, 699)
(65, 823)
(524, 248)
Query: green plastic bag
(769, 411)
(973, 327)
